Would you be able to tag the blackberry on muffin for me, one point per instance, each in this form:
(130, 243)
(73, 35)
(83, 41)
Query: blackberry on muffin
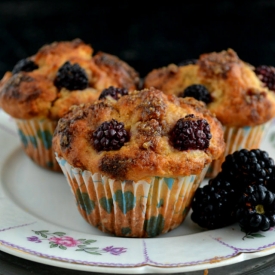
(267, 75)
(114, 92)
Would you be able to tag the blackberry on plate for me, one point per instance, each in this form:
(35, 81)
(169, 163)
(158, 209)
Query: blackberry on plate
(267, 75)
(248, 167)
(213, 204)
(270, 184)
(188, 62)
(110, 135)
(191, 132)
(114, 92)
(197, 91)
(256, 209)
(25, 65)
(71, 77)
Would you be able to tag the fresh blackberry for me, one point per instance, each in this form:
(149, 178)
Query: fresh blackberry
(191, 132)
(256, 209)
(270, 185)
(248, 167)
(110, 135)
(114, 92)
(267, 75)
(188, 62)
(214, 203)
(71, 77)
(25, 65)
(197, 91)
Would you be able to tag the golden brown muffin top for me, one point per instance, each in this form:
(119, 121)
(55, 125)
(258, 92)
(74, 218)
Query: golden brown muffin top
(238, 97)
(149, 117)
(34, 93)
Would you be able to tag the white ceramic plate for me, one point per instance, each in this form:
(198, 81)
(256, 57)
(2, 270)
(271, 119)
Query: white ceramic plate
(39, 221)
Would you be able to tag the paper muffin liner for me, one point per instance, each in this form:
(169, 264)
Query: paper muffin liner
(36, 138)
(146, 208)
(237, 138)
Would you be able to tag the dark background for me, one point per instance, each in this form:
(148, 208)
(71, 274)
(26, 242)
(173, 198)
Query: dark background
(147, 35)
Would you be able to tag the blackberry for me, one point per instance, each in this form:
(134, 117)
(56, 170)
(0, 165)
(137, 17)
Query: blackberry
(71, 77)
(197, 91)
(25, 65)
(252, 167)
(214, 203)
(110, 135)
(270, 185)
(191, 132)
(267, 75)
(188, 62)
(256, 209)
(114, 92)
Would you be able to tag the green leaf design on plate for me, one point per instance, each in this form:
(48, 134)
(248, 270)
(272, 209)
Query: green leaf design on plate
(154, 225)
(126, 201)
(59, 233)
(89, 241)
(46, 137)
(84, 201)
(63, 247)
(106, 204)
(251, 235)
(23, 138)
(82, 246)
(94, 253)
(257, 235)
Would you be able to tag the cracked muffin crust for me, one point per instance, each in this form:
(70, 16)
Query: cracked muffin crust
(149, 117)
(42, 86)
(238, 97)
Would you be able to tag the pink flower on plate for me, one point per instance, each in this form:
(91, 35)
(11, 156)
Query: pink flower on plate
(65, 241)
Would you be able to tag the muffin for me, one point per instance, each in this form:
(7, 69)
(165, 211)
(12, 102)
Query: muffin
(231, 90)
(41, 88)
(133, 164)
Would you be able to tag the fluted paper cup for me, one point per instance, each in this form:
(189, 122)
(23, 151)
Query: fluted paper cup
(237, 138)
(36, 138)
(146, 208)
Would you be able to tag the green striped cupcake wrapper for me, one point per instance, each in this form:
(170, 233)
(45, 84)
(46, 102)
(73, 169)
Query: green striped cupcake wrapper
(146, 208)
(36, 138)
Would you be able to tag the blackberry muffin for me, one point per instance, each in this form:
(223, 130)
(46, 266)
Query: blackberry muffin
(134, 163)
(231, 90)
(41, 88)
